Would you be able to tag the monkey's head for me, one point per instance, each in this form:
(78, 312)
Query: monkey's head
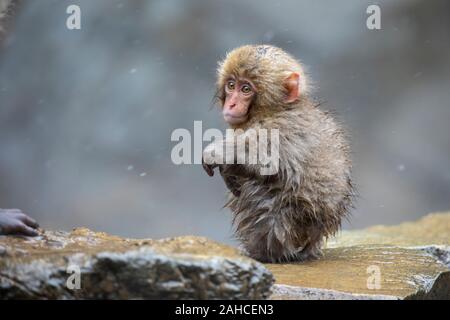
(258, 80)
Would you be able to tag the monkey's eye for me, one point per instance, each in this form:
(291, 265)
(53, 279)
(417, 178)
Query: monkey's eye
(230, 85)
(246, 89)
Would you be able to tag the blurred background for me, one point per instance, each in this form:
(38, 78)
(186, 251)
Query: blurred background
(86, 115)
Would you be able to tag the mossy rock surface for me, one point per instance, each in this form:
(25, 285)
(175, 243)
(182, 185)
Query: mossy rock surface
(407, 261)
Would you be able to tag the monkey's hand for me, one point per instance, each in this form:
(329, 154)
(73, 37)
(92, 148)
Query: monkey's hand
(209, 168)
(210, 154)
(14, 221)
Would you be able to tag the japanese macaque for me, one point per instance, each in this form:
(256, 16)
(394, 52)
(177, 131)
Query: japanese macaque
(284, 216)
(15, 222)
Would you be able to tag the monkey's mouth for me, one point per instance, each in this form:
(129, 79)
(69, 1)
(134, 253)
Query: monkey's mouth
(233, 119)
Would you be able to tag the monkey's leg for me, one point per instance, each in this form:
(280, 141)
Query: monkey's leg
(312, 249)
(268, 238)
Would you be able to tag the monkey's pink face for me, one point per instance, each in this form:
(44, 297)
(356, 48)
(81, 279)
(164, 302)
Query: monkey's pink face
(238, 98)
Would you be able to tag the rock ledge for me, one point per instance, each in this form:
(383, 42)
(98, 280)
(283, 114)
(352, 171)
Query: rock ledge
(408, 261)
(117, 268)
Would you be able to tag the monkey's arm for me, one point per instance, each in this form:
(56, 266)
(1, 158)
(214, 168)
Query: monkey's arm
(230, 180)
(14, 221)
(243, 155)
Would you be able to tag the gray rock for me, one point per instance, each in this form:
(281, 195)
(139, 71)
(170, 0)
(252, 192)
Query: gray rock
(116, 268)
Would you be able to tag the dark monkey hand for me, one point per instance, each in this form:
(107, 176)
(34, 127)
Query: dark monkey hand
(14, 221)
(209, 168)
(210, 155)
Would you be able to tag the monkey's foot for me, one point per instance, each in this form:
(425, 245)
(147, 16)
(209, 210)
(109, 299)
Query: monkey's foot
(307, 255)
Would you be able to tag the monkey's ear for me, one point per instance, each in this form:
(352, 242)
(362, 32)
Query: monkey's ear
(292, 84)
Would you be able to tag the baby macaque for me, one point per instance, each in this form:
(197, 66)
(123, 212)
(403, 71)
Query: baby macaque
(282, 215)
